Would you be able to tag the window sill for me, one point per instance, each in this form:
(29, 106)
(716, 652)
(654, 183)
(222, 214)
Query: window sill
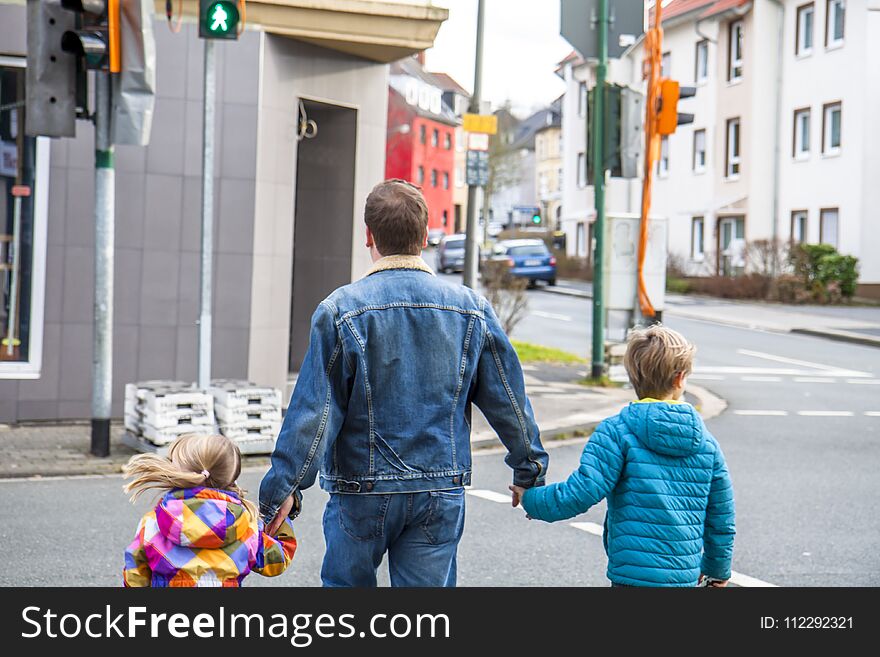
(834, 45)
(735, 81)
(806, 54)
(732, 178)
(699, 172)
(698, 259)
(831, 154)
(805, 157)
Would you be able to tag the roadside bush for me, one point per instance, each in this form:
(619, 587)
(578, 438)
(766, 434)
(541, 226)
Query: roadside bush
(748, 286)
(506, 293)
(573, 267)
(826, 276)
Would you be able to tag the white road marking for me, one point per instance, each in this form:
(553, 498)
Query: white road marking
(872, 413)
(744, 580)
(589, 527)
(561, 318)
(813, 379)
(765, 379)
(779, 413)
(490, 495)
(864, 382)
(802, 363)
(826, 413)
(706, 377)
(770, 371)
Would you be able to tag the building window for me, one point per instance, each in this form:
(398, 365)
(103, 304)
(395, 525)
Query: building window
(804, 37)
(421, 175)
(459, 176)
(559, 179)
(735, 51)
(699, 163)
(582, 100)
(433, 177)
(447, 141)
(445, 218)
(582, 170)
(801, 136)
(828, 226)
(834, 20)
(663, 162)
(666, 65)
(24, 178)
(701, 74)
(422, 134)
(799, 226)
(831, 117)
(435, 138)
(445, 180)
(697, 230)
(732, 152)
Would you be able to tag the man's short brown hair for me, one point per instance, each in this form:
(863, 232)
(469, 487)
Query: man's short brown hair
(653, 357)
(397, 216)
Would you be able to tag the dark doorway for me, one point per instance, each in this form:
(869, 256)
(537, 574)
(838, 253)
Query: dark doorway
(324, 207)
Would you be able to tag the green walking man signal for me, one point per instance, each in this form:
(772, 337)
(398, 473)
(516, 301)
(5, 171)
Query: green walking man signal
(218, 19)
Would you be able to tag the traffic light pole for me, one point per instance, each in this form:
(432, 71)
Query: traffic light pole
(102, 355)
(471, 253)
(205, 316)
(598, 365)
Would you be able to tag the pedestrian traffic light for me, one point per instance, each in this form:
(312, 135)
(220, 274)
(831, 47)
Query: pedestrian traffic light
(218, 19)
(96, 37)
(536, 218)
(668, 116)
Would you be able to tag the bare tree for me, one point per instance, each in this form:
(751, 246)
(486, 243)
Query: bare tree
(506, 293)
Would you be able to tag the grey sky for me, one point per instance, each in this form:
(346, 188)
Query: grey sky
(522, 48)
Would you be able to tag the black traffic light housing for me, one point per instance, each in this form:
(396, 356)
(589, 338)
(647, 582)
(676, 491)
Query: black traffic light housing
(95, 41)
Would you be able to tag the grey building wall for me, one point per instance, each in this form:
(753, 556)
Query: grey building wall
(158, 192)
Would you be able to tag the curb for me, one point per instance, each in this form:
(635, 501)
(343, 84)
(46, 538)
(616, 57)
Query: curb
(708, 403)
(840, 336)
(566, 292)
(560, 433)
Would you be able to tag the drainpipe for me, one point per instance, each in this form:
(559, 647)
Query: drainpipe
(777, 137)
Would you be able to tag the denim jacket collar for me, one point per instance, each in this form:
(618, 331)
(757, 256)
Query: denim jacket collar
(399, 262)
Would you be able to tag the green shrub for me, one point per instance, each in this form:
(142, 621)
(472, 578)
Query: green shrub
(825, 275)
(677, 285)
(838, 270)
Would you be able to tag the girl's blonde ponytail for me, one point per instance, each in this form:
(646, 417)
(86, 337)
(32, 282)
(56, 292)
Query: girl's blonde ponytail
(152, 472)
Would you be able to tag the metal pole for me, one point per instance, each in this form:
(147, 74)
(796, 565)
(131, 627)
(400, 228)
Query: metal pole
(205, 318)
(13, 282)
(471, 254)
(102, 357)
(598, 366)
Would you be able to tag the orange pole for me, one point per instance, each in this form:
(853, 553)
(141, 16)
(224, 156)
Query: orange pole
(653, 60)
(113, 31)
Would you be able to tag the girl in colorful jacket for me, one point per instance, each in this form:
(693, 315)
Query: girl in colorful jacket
(202, 532)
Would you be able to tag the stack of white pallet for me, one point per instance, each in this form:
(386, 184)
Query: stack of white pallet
(158, 412)
(248, 414)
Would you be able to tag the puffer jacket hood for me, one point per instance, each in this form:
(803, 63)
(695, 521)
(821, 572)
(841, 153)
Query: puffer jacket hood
(671, 429)
(202, 518)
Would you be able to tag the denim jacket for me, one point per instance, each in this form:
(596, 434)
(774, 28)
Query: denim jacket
(382, 403)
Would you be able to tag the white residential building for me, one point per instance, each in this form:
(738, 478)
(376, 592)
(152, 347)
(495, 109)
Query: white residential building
(780, 144)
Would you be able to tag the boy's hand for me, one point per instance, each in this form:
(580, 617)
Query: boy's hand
(517, 494)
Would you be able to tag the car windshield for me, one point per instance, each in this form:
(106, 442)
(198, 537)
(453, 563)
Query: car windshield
(455, 244)
(528, 250)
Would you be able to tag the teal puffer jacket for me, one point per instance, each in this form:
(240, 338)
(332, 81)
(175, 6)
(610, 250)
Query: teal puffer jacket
(670, 501)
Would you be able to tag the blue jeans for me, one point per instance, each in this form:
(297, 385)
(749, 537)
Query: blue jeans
(419, 531)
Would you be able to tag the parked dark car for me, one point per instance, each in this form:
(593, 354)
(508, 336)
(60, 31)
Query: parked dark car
(529, 259)
(450, 254)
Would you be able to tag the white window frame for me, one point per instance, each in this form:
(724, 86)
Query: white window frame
(801, 33)
(582, 170)
(666, 64)
(701, 76)
(829, 150)
(698, 246)
(830, 41)
(735, 63)
(663, 160)
(699, 168)
(800, 151)
(582, 100)
(32, 367)
(824, 213)
(801, 220)
(732, 160)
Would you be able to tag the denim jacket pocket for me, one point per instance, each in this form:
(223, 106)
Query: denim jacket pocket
(445, 518)
(363, 516)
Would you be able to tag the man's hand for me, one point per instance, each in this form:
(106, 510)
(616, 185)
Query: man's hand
(517, 494)
(283, 512)
(713, 583)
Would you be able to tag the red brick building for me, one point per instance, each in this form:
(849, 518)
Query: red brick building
(421, 139)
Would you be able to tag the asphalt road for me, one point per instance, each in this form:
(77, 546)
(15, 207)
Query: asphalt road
(801, 445)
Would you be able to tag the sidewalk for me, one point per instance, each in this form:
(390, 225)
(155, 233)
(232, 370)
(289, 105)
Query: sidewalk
(855, 324)
(562, 407)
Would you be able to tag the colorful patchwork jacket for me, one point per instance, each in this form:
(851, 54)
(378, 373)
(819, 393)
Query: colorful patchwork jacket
(204, 537)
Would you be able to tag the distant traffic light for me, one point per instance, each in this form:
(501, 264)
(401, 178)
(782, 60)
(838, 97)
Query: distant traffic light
(96, 37)
(218, 19)
(668, 116)
(536, 218)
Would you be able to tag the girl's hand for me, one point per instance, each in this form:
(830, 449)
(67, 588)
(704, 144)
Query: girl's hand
(517, 494)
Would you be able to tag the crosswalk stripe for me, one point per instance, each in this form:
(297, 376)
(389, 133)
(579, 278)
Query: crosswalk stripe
(864, 382)
(825, 413)
(767, 379)
(774, 413)
(490, 495)
(744, 580)
(589, 527)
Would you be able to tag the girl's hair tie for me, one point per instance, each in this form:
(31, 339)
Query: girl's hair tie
(206, 474)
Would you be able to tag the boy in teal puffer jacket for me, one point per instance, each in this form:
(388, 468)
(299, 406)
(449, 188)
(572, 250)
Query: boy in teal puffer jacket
(670, 516)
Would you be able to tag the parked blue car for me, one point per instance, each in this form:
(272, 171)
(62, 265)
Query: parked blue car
(529, 259)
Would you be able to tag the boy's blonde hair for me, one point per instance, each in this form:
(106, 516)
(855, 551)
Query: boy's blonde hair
(654, 356)
(193, 460)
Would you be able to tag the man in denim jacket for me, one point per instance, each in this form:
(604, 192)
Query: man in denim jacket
(382, 408)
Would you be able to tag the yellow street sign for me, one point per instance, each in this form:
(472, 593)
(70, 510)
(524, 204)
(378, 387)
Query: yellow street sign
(484, 123)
